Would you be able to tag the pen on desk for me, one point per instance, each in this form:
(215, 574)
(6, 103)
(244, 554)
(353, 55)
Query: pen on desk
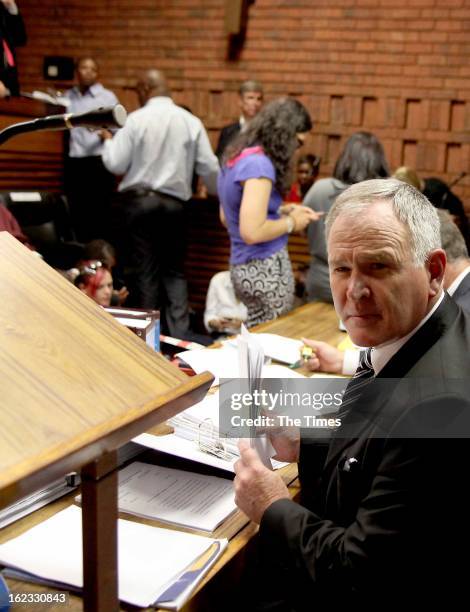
(188, 577)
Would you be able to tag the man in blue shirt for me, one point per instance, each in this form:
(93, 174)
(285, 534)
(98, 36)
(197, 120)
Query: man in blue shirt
(88, 184)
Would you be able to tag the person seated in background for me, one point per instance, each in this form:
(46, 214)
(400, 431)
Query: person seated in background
(9, 223)
(12, 34)
(308, 167)
(362, 158)
(441, 196)
(104, 251)
(251, 100)
(95, 280)
(410, 176)
(224, 312)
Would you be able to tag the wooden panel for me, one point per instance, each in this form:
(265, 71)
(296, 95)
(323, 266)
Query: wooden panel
(33, 160)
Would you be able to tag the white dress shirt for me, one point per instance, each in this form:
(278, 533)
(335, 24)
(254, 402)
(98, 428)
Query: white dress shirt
(382, 354)
(160, 147)
(452, 288)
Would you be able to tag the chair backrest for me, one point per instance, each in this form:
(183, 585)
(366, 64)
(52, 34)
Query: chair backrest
(45, 220)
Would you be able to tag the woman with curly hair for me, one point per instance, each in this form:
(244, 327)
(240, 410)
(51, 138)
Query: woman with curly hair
(361, 159)
(256, 174)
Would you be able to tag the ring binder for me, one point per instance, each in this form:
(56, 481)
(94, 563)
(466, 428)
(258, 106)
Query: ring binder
(213, 445)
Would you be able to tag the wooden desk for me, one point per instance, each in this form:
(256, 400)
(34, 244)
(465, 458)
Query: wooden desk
(314, 320)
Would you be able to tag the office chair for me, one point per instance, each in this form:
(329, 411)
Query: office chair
(45, 220)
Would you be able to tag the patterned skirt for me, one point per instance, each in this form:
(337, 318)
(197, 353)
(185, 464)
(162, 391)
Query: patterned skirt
(265, 286)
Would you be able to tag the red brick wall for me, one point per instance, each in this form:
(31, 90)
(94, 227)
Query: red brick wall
(398, 68)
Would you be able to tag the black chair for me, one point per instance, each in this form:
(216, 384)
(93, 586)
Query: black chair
(45, 220)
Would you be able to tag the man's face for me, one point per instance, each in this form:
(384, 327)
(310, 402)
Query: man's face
(250, 103)
(87, 73)
(378, 292)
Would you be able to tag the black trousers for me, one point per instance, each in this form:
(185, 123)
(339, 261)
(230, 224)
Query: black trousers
(89, 188)
(150, 237)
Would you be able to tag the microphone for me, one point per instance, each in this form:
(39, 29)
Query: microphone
(114, 116)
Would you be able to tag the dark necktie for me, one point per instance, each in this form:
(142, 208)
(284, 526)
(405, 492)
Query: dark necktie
(358, 382)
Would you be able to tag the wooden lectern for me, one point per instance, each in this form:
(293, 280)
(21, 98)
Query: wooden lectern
(75, 385)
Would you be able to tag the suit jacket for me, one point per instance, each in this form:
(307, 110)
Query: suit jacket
(227, 134)
(462, 293)
(13, 31)
(389, 525)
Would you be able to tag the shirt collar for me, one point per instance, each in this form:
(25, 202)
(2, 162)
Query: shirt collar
(93, 90)
(158, 100)
(452, 288)
(382, 354)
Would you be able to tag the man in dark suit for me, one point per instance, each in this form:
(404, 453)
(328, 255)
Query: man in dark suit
(457, 274)
(384, 516)
(251, 100)
(327, 358)
(12, 34)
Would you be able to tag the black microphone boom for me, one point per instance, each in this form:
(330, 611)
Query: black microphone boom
(114, 116)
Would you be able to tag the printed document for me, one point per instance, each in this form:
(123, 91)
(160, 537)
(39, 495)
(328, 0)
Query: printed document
(174, 496)
(150, 559)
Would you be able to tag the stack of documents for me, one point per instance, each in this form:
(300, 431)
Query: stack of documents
(251, 359)
(174, 496)
(36, 500)
(223, 362)
(279, 348)
(156, 566)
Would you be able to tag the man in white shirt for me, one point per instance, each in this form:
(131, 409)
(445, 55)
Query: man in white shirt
(384, 515)
(158, 151)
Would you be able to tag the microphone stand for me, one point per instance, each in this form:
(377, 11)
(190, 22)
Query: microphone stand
(96, 119)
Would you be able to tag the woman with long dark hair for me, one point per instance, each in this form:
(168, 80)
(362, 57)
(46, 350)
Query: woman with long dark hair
(256, 174)
(361, 159)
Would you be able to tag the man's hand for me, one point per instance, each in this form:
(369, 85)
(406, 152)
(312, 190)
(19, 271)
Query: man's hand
(8, 4)
(4, 91)
(104, 134)
(285, 440)
(326, 358)
(122, 295)
(256, 487)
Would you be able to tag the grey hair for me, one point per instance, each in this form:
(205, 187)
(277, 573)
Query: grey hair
(452, 240)
(410, 206)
